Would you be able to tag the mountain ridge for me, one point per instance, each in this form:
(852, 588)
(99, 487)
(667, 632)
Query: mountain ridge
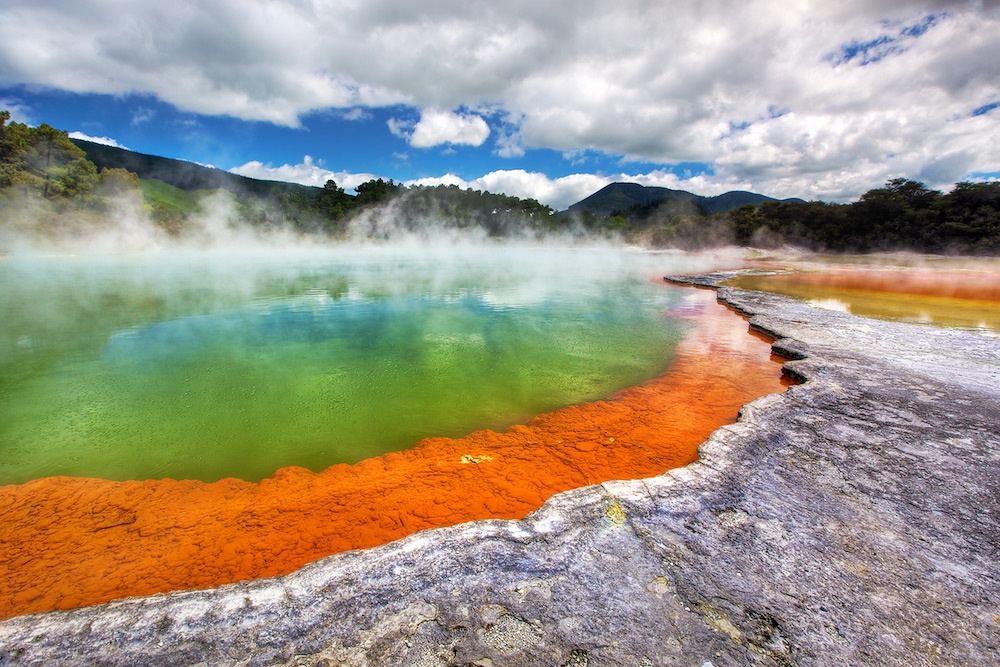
(185, 175)
(621, 196)
(190, 176)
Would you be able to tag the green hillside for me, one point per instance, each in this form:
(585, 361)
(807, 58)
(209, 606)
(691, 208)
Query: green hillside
(158, 192)
(54, 190)
(187, 176)
(621, 198)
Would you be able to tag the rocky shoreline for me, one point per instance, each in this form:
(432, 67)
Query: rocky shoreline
(851, 520)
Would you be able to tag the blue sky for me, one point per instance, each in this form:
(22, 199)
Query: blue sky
(548, 100)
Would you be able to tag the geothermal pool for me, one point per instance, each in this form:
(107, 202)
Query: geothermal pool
(536, 370)
(208, 365)
(967, 297)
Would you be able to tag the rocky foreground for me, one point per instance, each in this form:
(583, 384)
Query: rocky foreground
(853, 520)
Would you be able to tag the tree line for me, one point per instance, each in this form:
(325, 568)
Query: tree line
(43, 161)
(334, 212)
(902, 215)
(42, 166)
(43, 172)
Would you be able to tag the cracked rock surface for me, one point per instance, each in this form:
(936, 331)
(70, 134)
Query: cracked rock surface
(851, 520)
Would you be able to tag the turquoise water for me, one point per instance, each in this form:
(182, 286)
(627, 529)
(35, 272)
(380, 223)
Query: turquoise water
(211, 365)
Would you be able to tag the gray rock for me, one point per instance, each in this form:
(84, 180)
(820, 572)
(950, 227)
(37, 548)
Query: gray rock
(852, 520)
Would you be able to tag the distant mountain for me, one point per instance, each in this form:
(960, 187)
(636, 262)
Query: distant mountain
(732, 200)
(186, 176)
(623, 196)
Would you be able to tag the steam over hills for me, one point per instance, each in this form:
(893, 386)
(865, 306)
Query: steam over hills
(57, 192)
(188, 176)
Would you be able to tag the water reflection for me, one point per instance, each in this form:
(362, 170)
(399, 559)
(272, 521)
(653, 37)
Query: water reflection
(946, 297)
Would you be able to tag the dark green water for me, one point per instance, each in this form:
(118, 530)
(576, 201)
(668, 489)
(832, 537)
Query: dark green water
(203, 366)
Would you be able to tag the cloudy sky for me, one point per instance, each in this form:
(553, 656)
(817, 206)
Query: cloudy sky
(549, 99)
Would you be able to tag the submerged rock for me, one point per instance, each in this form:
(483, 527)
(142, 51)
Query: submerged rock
(852, 519)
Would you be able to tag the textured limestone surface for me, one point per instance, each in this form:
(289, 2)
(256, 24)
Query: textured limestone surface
(852, 520)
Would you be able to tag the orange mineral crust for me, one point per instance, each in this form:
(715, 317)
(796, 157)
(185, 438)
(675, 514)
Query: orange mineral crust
(71, 542)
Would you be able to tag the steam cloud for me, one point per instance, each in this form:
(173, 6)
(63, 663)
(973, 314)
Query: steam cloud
(124, 224)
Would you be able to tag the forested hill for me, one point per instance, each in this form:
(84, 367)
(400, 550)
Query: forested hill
(52, 188)
(187, 176)
(624, 198)
(902, 215)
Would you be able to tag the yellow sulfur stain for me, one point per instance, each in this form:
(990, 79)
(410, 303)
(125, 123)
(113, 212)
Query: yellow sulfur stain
(469, 458)
(615, 514)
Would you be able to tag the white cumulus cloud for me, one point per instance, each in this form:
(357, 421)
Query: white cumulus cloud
(813, 98)
(561, 192)
(307, 172)
(437, 127)
(107, 141)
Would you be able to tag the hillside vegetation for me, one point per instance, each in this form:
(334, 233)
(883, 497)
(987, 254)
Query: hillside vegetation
(901, 215)
(56, 189)
(53, 188)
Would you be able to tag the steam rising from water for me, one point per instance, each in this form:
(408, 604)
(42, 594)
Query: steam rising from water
(123, 224)
(242, 344)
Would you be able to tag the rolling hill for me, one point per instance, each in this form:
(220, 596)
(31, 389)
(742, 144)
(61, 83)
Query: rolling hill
(190, 177)
(187, 176)
(619, 197)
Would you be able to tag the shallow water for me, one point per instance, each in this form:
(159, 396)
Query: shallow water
(966, 298)
(208, 365)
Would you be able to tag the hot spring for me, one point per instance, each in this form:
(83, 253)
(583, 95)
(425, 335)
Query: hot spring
(186, 420)
(952, 292)
(211, 365)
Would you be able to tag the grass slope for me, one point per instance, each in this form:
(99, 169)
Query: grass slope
(186, 176)
(156, 191)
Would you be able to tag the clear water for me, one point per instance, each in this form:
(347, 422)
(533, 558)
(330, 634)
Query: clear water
(211, 365)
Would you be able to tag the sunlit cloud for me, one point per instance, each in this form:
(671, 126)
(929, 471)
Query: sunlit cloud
(811, 98)
(400, 127)
(509, 145)
(308, 172)
(437, 127)
(107, 141)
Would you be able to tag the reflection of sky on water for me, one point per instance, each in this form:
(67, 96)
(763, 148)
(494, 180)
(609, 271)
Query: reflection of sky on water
(315, 317)
(830, 304)
(717, 337)
(951, 298)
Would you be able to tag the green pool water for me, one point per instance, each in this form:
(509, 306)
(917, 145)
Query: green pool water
(212, 365)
